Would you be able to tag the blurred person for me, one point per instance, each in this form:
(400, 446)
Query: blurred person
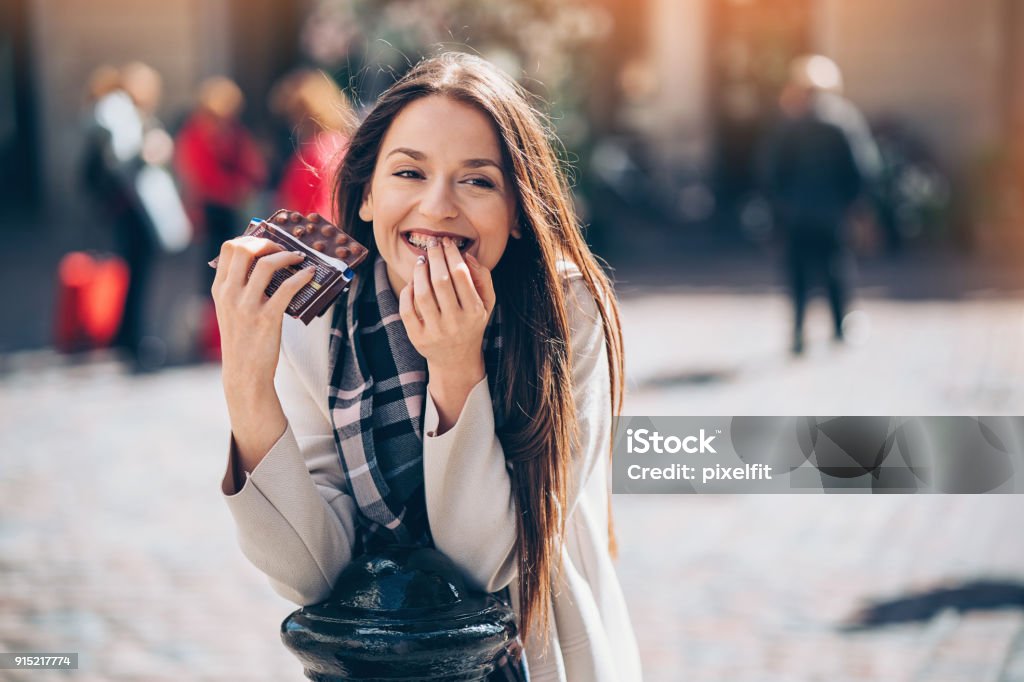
(478, 363)
(91, 282)
(124, 137)
(219, 165)
(139, 245)
(816, 162)
(320, 117)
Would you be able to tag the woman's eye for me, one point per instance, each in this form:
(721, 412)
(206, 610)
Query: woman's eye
(408, 174)
(481, 182)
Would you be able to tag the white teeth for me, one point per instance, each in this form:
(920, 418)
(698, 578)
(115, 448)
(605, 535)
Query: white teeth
(423, 243)
(427, 242)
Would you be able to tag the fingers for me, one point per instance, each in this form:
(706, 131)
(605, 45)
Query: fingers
(406, 310)
(440, 278)
(482, 282)
(234, 285)
(223, 265)
(291, 286)
(243, 251)
(423, 300)
(264, 272)
(461, 278)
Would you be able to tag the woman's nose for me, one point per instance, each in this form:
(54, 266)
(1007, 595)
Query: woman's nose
(437, 202)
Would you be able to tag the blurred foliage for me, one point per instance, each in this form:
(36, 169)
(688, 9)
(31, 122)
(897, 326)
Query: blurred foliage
(367, 44)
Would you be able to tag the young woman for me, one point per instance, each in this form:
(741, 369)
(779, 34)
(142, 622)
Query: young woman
(461, 395)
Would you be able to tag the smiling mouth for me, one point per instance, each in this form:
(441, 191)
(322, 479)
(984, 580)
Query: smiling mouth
(422, 241)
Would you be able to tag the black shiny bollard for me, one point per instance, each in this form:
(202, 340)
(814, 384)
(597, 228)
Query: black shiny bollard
(400, 614)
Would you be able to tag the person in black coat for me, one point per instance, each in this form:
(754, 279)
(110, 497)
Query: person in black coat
(816, 163)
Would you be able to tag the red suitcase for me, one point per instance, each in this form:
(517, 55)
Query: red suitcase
(90, 300)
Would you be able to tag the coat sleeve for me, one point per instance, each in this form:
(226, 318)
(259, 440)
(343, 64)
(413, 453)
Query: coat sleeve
(468, 488)
(294, 520)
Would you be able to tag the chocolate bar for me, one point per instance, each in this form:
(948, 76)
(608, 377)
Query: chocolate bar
(332, 251)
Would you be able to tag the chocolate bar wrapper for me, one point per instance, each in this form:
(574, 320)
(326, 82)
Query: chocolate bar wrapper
(332, 276)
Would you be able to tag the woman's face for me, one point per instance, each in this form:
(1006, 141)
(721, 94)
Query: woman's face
(439, 174)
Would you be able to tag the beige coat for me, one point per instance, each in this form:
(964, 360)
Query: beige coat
(296, 518)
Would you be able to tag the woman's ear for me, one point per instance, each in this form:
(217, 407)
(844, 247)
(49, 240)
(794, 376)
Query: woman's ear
(516, 231)
(366, 209)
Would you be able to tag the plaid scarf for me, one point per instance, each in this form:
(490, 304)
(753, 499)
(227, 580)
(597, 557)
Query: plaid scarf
(376, 399)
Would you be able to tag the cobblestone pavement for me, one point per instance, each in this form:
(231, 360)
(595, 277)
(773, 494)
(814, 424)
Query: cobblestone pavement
(114, 541)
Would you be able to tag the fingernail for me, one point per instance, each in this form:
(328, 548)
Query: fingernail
(420, 260)
(447, 241)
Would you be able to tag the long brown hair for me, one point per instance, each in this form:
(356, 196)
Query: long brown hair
(540, 429)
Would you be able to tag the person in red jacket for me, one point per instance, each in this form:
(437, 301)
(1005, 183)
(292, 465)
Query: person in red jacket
(320, 117)
(219, 165)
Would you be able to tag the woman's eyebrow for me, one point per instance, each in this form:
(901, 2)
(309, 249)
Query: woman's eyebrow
(420, 156)
(478, 163)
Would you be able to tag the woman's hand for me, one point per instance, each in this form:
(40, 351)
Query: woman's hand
(249, 321)
(446, 306)
(445, 309)
(250, 341)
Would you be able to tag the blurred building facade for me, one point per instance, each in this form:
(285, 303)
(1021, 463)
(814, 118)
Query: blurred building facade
(950, 74)
(954, 70)
(691, 80)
